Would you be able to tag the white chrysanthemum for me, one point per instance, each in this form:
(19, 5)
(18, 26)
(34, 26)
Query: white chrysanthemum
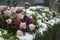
(27, 36)
(19, 33)
(52, 22)
(1, 38)
(51, 17)
(33, 8)
(39, 21)
(32, 27)
(7, 13)
(46, 9)
(13, 9)
(43, 27)
(28, 11)
(39, 16)
(44, 14)
(8, 21)
(0, 33)
(56, 20)
(46, 18)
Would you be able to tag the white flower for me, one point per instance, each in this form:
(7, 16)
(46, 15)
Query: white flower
(52, 22)
(28, 11)
(1, 38)
(46, 9)
(32, 27)
(39, 16)
(46, 18)
(19, 33)
(20, 16)
(7, 13)
(27, 36)
(43, 27)
(23, 25)
(44, 14)
(33, 8)
(56, 20)
(39, 21)
(8, 21)
(0, 33)
(13, 9)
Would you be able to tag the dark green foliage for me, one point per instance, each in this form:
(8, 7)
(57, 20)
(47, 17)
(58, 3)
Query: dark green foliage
(51, 34)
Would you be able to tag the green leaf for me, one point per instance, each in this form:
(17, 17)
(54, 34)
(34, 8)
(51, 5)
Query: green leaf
(6, 36)
(13, 37)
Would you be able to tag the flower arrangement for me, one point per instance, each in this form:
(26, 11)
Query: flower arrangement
(15, 22)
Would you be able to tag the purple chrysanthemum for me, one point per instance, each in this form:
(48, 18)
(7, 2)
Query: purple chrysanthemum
(26, 18)
(19, 11)
(17, 22)
(31, 20)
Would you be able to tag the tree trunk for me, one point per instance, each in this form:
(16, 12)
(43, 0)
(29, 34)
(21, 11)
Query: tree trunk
(52, 4)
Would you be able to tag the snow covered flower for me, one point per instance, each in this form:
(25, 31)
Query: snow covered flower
(23, 25)
(19, 33)
(20, 16)
(7, 13)
(32, 27)
(8, 21)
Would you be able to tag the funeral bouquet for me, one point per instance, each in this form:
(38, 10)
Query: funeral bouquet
(16, 22)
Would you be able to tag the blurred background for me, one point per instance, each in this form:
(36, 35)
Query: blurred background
(52, 4)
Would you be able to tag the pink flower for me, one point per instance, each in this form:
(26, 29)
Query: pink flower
(8, 21)
(7, 13)
(13, 9)
(23, 25)
(20, 16)
(2, 8)
(19, 33)
(32, 27)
